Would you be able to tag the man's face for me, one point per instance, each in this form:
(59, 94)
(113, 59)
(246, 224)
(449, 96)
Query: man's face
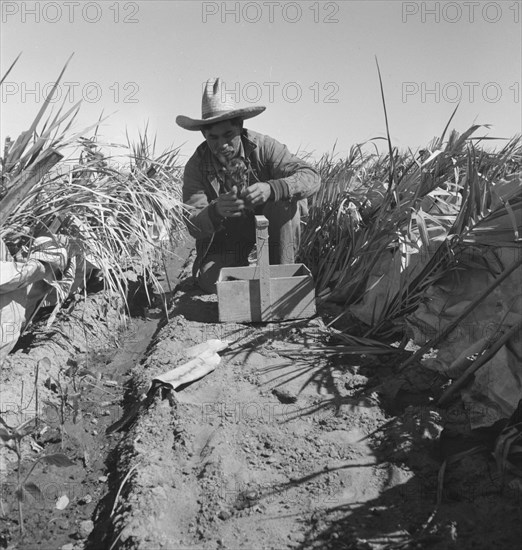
(224, 140)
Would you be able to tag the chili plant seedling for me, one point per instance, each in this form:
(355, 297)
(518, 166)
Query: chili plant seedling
(12, 438)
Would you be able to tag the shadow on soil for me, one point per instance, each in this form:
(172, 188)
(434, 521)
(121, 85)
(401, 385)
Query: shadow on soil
(476, 510)
(466, 505)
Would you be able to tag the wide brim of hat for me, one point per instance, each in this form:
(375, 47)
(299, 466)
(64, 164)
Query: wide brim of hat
(188, 123)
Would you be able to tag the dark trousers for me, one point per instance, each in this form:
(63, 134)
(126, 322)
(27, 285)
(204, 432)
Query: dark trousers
(232, 249)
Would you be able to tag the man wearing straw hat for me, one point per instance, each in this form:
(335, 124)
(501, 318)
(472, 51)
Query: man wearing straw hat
(232, 176)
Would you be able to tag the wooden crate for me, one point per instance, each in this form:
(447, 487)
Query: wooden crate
(265, 292)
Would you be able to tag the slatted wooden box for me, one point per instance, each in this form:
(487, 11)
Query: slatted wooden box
(265, 292)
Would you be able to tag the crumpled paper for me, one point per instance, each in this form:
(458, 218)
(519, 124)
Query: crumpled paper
(205, 360)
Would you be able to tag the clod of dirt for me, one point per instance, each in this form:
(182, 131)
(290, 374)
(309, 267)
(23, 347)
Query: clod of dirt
(85, 528)
(284, 396)
(87, 499)
(224, 515)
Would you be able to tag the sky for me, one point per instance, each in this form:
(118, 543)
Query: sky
(311, 63)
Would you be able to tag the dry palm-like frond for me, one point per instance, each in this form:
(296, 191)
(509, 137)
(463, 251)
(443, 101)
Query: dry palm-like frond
(10, 68)
(332, 227)
(27, 160)
(489, 217)
(449, 196)
(118, 217)
(410, 216)
(111, 213)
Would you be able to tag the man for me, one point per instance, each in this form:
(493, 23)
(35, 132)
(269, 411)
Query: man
(233, 175)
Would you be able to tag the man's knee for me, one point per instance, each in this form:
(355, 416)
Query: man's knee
(284, 230)
(279, 213)
(208, 276)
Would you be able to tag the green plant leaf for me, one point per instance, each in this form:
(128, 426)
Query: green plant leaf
(503, 444)
(33, 490)
(4, 423)
(5, 434)
(9, 70)
(51, 404)
(58, 459)
(423, 229)
(26, 428)
(44, 363)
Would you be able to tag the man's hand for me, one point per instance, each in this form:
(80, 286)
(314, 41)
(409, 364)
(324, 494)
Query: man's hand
(228, 205)
(257, 193)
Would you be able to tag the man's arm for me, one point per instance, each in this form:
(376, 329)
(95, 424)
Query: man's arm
(203, 219)
(206, 217)
(290, 177)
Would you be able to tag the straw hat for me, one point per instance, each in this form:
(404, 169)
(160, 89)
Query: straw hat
(216, 106)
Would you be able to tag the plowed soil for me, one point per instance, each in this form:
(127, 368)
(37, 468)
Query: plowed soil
(280, 447)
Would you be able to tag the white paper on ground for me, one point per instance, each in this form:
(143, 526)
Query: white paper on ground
(62, 502)
(213, 344)
(205, 360)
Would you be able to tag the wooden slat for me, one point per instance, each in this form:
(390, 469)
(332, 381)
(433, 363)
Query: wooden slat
(252, 272)
(288, 270)
(228, 274)
(263, 266)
